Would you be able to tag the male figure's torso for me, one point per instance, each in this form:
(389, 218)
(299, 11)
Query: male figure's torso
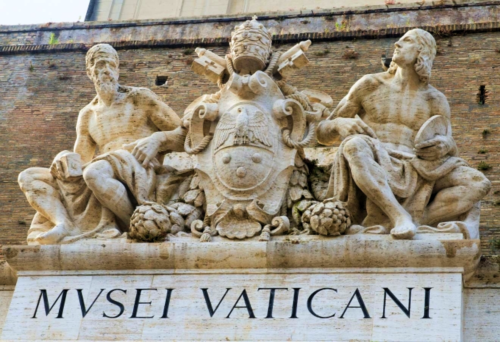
(394, 112)
(123, 122)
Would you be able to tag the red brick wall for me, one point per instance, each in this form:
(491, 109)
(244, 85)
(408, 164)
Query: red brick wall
(39, 104)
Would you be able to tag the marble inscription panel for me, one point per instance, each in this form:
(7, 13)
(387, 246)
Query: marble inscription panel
(326, 305)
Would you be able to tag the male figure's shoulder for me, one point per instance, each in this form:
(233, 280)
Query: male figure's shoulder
(377, 78)
(433, 94)
(86, 112)
(370, 82)
(438, 101)
(139, 95)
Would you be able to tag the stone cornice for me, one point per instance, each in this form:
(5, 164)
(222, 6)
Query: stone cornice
(342, 252)
(280, 38)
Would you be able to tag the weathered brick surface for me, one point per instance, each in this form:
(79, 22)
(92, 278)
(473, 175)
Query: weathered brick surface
(39, 105)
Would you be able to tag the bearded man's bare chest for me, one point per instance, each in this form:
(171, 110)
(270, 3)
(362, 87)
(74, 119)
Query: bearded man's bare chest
(119, 122)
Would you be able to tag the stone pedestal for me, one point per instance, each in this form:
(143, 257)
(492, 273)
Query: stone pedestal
(367, 288)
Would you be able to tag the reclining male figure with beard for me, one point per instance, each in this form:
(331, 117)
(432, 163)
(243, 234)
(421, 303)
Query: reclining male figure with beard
(127, 125)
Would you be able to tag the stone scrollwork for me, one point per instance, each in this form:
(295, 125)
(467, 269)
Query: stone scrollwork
(281, 225)
(197, 140)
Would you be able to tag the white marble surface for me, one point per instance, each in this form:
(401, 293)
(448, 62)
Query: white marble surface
(368, 263)
(189, 318)
(482, 314)
(6, 293)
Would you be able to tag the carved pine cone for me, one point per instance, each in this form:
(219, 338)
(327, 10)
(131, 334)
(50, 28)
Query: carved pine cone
(327, 218)
(150, 222)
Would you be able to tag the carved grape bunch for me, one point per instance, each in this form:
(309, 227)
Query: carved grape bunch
(151, 222)
(329, 217)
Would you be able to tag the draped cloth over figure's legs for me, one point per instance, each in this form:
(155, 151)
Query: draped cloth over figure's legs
(86, 212)
(411, 180)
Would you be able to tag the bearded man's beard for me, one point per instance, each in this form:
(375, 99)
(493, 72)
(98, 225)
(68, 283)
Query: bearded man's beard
(106, 85)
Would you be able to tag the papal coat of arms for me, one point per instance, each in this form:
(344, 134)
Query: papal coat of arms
(249, 136)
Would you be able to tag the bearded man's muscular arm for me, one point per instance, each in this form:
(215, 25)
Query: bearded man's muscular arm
(171, 135)
(85, 146)
(169, 123)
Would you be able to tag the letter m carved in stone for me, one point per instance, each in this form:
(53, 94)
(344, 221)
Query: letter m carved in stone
(48, 308)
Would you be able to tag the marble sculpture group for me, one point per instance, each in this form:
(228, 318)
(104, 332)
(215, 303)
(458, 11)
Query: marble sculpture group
(395, 172)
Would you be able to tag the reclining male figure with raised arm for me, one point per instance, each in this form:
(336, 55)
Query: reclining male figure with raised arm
(127, 126)
(387, 174)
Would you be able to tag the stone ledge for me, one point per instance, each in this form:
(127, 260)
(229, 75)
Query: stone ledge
(342, 252)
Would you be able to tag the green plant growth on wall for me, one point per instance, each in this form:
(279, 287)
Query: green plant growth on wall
(341, 26)
(495, 245)
(322, 53)
(483, 166)
(53, 40)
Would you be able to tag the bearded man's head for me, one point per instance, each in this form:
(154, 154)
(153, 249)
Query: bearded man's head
(102, 67)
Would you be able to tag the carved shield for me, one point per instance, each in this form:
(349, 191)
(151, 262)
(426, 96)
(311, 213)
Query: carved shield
(244, 144)
(246, 167)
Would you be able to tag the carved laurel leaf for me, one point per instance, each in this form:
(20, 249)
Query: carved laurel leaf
(195, 181)
(294, 180)
(190, 196)
(200, 200)
(295, 193)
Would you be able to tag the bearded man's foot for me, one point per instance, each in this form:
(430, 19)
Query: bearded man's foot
(404, 230)
(54, 235)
